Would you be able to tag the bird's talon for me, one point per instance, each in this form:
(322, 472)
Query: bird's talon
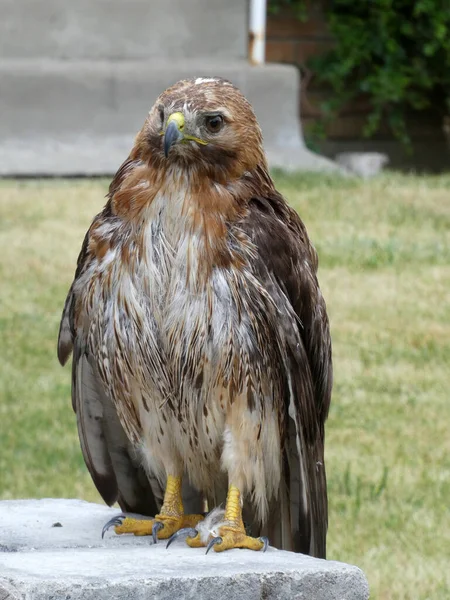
(265, 541)
(235, 537)
(213, 542)
(156, 527)
(190, 532)
(114, 522)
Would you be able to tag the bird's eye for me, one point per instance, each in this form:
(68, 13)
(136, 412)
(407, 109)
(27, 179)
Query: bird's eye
(161, 113)
(214, 123)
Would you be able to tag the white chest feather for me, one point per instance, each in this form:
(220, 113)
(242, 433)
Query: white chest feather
(180, 348)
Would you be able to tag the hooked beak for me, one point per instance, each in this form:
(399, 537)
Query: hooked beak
(174, 131)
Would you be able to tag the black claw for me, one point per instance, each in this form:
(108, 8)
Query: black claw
(117, 520)
(187, 531)
(213, 542)
(265, 541)
(156, 527)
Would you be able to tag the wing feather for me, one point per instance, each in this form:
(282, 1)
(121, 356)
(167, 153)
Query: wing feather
(286, 264)
(88, 405)
(113, 462)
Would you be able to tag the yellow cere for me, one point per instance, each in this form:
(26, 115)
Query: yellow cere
(178, 117)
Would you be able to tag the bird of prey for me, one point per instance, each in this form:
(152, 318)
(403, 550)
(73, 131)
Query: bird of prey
(202, 368)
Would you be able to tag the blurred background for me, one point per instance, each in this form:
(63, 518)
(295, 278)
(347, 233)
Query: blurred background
(363, 85)
(375, 75)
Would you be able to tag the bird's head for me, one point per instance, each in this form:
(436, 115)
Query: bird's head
(204, 125)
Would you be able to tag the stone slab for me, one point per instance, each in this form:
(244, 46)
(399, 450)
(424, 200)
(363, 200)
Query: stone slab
(80, 117)
(428, 155)
(92, 156)
(364, 164)
(52, 549)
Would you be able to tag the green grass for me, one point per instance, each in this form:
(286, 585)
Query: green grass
(384, 248)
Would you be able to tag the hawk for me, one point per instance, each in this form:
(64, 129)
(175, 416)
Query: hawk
(202, 368)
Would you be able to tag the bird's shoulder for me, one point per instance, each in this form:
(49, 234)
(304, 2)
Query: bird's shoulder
(285, 258)
(95, 244)
(283, 247)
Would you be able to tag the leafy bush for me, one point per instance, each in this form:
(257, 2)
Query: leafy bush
(396, 52)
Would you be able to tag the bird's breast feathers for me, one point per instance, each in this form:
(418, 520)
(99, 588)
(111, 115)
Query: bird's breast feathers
(167, 326)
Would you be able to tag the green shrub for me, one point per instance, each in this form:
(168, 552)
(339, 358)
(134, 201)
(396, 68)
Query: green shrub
(396, 52)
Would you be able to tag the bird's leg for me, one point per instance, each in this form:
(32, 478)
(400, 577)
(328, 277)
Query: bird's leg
(170, 519)
(172, 512)
(232, 533)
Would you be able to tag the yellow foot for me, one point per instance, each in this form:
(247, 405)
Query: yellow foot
(161, 527)
(231, 537)
(173, 524)
(195, 542)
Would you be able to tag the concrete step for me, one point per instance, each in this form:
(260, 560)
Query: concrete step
(118, 29)
(52, 549)
(80, 117)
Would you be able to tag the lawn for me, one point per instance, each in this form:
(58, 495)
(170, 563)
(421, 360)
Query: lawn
(384, 248)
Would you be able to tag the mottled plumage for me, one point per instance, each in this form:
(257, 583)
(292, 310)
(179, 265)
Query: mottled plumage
(200, 336)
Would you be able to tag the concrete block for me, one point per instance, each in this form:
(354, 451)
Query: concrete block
(52, 550)
(80, 117)
(365, 164)
(123, 29)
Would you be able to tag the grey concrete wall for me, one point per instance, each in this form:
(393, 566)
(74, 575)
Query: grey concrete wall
(54, 98)
(78, 77)
(123, 29)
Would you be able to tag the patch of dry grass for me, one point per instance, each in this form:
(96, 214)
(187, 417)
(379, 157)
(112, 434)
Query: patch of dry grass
(384, 247)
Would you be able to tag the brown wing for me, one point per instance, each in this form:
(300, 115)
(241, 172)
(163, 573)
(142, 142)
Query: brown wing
(111, 459)
(286, 265)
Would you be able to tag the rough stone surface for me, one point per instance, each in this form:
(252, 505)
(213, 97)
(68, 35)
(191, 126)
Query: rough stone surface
(52, 550)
